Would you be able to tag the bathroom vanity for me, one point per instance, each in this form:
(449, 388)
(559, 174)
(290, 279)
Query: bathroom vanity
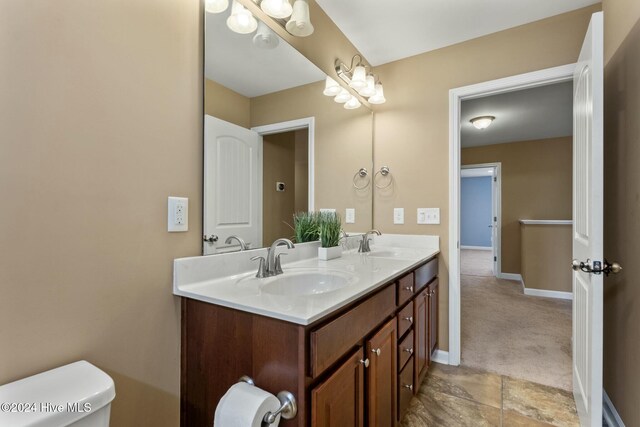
(352, 356)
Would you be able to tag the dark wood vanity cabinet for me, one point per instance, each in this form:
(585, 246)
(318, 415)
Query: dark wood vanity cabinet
(358, 366)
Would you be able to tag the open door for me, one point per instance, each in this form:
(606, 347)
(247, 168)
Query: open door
(232, 185)
(588, 226)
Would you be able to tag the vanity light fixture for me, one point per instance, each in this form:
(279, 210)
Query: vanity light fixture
(265, 38)
(352, 103)
(241, 20)
(343, 96)
(300, 23)
(279, 9)
(370, 89)
(331, 87)
(482, 122)
(216, 6)
(355, 75)
(378, 98)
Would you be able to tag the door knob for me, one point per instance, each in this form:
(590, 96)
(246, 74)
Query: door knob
(596, 267)
(211, 239)
(376, 351)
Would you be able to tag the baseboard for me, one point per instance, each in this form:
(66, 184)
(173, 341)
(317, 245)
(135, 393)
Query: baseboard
(548, 294)
(477, 248)
(440, 356)
(609, 412)
(509, 276)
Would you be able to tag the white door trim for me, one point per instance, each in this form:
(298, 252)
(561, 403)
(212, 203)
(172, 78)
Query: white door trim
(496, 210)
(508, 84)
(304, 123)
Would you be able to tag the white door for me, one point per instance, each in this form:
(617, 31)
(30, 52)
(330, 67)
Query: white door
(232, 185)
(587, 225)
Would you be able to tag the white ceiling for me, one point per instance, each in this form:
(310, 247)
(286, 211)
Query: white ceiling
(385, 31)
(232, 60)
(524, 115)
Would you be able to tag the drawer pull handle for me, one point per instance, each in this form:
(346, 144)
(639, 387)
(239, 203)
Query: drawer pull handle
(409, 319)
(376, 351)
(408, 288)
(409, 386)
(365, 362)
(408, 350)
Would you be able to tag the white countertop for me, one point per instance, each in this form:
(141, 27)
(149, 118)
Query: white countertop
(546, 221)
(211, 279)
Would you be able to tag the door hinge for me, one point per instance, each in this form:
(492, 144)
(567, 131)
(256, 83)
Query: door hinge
(495, 258)
(495, 179)
(495, 219)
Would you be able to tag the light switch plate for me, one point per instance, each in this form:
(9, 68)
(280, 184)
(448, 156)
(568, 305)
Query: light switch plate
(433, 216)
(178, 214)
(398, 215)
(422, 215)
(350, 216)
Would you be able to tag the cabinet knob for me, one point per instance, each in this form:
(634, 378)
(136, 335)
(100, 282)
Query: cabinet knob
(408, 350)
(365, 362)
(376, 351)
(408, 288)
(409, 319)
(409, 386)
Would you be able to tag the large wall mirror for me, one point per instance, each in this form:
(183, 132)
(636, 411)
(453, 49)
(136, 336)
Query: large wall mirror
(273, 143)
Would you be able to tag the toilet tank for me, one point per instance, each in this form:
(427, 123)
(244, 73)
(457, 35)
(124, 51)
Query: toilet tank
(78, 395)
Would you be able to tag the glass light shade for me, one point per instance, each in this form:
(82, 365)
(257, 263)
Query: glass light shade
(352, 103)
(482, 122)
(343, 96)
(265, 38)
(359, 78)
(241, 20)
(279, 9)
(378, 98)
(300, 23)
(216, 6)
(370, 88)
(331, 87)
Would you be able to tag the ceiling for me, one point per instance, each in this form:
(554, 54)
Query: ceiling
(232, 60)
(524, 115)
(385, 31)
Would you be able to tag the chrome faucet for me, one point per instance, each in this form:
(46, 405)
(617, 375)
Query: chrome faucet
(364, 243)
(243, 244)
(271, 266)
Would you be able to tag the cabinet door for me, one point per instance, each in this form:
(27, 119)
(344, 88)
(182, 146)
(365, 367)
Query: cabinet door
(421, 337)
(382, 376)
(433, 316)
(339, 400)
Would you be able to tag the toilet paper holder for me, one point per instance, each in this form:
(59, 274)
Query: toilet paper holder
(288, 406)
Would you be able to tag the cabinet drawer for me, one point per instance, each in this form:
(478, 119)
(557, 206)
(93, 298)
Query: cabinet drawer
(331, 341)
(405, 319)
(406, 288)
(405, 350)
(426, 273)
(405, 389)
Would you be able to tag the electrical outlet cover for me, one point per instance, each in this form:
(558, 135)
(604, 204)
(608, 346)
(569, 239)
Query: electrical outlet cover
(433, 216)
(178, 214)
(350, 216)
(398, 215)
(422, 215)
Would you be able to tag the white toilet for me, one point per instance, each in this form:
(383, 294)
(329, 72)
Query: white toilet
(78, 395)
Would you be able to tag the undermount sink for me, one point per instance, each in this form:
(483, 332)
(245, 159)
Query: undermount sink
(299, 283)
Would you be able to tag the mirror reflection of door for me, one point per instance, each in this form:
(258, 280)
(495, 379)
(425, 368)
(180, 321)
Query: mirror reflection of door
(285, 181)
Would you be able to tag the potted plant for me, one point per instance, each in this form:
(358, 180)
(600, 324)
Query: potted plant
(306, 227)
(329, 226)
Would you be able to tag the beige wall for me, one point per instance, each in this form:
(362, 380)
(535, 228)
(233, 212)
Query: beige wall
(622, 206)
(301, 179)
(546, 255)
(343, 144)
(100, 121)
(411, 129)
(278, 152)
(536, 184)
(226, 104)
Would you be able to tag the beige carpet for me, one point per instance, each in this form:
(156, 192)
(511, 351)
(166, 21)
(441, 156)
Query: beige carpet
(509, 333)
(476, 262)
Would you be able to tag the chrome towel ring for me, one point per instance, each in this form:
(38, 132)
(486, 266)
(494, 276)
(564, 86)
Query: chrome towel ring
(362, 174)
(384, 172)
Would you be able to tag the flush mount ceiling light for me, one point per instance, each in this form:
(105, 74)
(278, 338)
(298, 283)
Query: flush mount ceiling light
(352, 103)
(278, 9)
(482, 122)
(300, 23)
(331, 87)
(265, 38)
(241, 20)
(216, 6)
(355, 75)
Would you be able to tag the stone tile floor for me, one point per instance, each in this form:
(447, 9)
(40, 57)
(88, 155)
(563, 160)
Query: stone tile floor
(460, 396)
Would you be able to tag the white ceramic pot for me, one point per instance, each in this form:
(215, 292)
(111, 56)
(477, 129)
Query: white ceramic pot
(330, 253)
